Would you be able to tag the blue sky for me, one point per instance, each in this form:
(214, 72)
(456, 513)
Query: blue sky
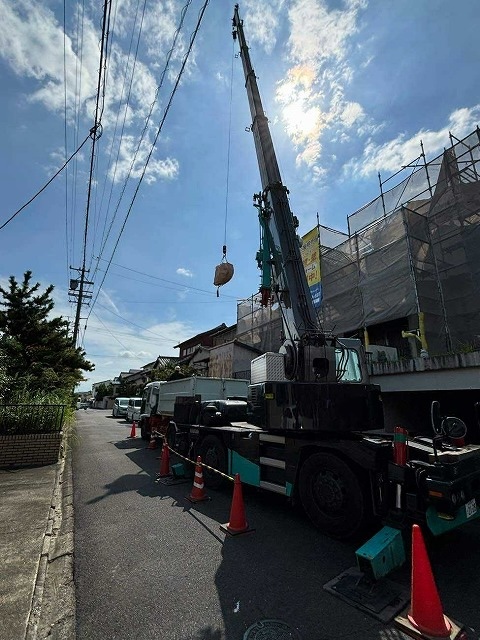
(350, 88)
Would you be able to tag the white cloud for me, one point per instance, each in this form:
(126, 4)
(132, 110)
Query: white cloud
(400, 151)
(132, 158)
(128, 354)
(262, 22)
(312, 93)
(32, 43)
(184, 272)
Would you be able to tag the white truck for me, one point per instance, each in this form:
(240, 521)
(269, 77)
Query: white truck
(159, 399)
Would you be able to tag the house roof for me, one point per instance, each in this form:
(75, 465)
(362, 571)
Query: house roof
(163, 361)
(199, 336)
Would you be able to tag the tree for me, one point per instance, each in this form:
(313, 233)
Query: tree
(37, 351)
(166, 372)
(103, 390)
(127, 390)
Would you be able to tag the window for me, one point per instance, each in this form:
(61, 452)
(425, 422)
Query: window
(348, 365)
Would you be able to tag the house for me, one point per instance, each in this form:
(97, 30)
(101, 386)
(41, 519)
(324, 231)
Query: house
(196, 350)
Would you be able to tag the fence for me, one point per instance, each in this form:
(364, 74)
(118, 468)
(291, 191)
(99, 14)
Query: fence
(16, 419)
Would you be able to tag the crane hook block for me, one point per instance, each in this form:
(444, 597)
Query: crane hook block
(223, 273)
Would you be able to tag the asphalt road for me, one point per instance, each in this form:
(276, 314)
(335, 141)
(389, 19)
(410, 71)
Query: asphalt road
(149, 564)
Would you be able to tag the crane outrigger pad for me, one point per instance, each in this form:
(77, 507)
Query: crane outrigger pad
(381, 599)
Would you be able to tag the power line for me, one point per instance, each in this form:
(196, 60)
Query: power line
(45, 185)
(167, 109)
(127, 102)
(108, 330)
(95, 132)
(178, 284)
(141, 138)
(133, 323)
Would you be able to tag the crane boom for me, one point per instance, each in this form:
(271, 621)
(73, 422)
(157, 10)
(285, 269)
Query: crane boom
(279, 226)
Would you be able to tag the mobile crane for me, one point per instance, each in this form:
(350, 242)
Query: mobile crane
(315, 432)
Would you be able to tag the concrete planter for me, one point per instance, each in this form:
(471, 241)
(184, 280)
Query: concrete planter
(30, 449)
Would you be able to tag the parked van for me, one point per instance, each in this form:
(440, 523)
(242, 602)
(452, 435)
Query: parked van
(120, 407)
(133, 409)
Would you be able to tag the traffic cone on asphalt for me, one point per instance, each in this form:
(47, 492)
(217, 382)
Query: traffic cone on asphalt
(238, 521)
(425, 619)
(133, 433)
(164, 462)
(197, 493)
(153, 441)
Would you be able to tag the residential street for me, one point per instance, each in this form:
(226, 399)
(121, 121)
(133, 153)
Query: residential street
(149, 564)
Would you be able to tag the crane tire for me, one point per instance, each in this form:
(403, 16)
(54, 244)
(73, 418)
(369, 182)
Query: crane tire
(333, 496)
(213, 452)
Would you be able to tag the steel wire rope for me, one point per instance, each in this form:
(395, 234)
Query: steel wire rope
(167, 109)
(44, 186)
(127, 102)
(229, 148)
(147, 120)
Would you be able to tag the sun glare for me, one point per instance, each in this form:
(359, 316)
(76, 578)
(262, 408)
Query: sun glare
(301, 121)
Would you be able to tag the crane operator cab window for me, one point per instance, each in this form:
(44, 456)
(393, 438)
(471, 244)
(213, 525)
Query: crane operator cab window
(348, 365)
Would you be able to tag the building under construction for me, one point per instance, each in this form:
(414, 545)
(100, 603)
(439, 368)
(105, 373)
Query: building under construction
(406, 275)
(410, 262)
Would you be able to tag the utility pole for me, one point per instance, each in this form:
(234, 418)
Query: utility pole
(80, 296)
(95, 133)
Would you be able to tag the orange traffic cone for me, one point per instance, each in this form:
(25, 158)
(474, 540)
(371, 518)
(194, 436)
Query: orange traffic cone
(238, 521)
(133, 433)
(198, 491)
(153, 441)
(164, 462)
(425, 617)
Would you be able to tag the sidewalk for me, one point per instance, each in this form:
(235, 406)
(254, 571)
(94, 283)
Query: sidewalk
(37, 597)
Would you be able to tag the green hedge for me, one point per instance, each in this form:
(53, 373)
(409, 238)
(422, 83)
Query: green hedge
(31, 418)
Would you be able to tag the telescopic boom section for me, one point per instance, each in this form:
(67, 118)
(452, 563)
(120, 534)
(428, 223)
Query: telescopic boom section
(300, 317)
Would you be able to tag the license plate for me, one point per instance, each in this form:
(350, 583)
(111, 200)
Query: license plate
(471, 508)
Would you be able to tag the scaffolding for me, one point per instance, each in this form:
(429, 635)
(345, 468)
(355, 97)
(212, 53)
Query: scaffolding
(259, 326)
(412, 255)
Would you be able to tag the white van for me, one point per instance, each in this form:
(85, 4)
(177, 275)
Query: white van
(120, 407)
(133, 409)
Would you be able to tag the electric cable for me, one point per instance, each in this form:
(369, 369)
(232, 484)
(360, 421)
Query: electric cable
(148, 275)
(65, 128)
(108, 331)
(157, 335)
(45, 185)
(127, 102)
(95, 133)
(167, 109)
(80, 18)
(145, 127)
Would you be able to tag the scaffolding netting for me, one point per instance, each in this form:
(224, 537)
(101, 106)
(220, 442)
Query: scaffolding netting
(414, 249)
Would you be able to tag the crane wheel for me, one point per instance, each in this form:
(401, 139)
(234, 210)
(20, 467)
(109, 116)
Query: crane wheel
(213, 453)
(333, 496)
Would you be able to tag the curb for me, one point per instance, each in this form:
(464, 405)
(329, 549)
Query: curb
(52, 613)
